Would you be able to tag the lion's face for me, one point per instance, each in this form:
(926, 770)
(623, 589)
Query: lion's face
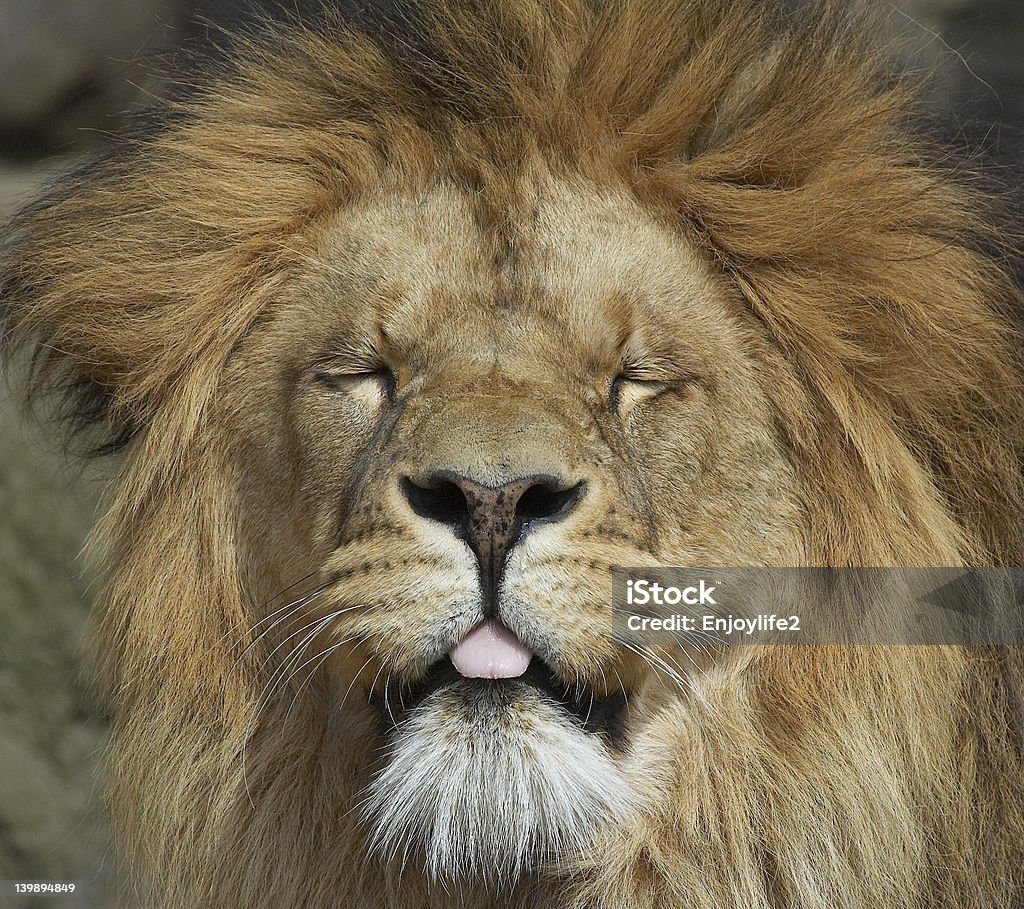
(462, 431)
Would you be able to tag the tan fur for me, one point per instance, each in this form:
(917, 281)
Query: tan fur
(732, 197)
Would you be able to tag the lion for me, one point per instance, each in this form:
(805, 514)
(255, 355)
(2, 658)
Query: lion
(403, 328)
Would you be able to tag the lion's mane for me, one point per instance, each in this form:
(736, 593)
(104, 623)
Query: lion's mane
(786, 149)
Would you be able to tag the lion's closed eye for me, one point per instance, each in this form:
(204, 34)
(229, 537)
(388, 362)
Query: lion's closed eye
(380, 381)
(636, 385)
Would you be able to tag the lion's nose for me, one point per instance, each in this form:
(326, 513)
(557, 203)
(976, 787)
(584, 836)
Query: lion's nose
(491, 518)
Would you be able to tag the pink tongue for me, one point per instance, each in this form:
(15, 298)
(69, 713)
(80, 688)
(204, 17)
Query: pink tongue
(490, 651)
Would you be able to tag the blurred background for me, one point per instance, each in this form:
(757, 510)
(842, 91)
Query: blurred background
(69, 70)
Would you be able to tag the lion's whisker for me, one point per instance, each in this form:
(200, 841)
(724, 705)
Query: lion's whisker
(262, 606)
(292, 609)
(622, 687)
(373, 684)
(387, 705)
(283, 668)
(322, 657)
(659, 665)
(266, 695)
(348, 690)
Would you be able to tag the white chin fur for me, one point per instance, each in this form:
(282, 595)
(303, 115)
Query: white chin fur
(481, 788)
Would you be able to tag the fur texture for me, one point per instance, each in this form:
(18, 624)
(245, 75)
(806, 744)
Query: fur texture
(515, 207)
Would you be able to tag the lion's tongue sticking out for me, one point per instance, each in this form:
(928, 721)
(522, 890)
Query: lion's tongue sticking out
(490, 651)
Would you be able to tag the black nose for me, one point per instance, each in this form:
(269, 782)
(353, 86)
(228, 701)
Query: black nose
(491, 518)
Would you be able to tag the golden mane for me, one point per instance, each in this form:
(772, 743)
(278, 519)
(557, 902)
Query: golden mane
(781, 144)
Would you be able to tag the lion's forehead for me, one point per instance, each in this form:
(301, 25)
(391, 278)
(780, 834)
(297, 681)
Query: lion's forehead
(584, 268)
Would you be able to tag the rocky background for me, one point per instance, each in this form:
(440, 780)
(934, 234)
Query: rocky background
(68, 71)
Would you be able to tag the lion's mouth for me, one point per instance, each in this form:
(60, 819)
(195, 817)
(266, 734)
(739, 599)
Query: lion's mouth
(490, 651)
(497, 668)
